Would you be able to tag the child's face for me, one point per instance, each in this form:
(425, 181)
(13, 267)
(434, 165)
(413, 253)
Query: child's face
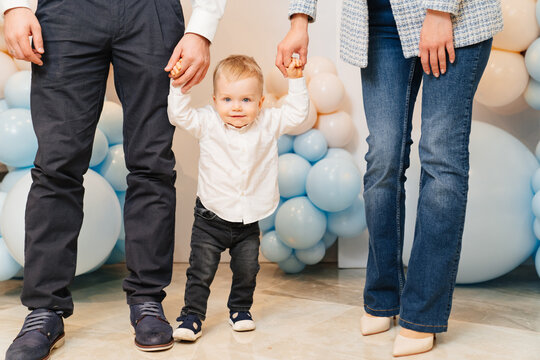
(238, 102)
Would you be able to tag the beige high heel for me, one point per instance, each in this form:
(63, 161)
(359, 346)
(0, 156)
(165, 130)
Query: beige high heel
(404, 346)
(370, 325)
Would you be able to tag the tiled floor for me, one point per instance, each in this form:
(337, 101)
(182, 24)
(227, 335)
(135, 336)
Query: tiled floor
(313, 315)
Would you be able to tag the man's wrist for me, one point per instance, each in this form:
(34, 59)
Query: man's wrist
(207, 41)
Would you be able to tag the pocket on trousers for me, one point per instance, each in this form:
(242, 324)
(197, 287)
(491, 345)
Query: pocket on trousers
(171, 21)
(205, 213)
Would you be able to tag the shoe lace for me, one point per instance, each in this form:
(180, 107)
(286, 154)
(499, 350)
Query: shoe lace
(150, 309)
(36, 321)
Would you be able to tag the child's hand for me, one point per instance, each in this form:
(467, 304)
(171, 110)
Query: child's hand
(176, 69)
(294, 71)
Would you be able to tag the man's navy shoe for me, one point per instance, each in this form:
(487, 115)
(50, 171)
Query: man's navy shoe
(42, 331)
(152, 330)
(189, 329)
(241, 321)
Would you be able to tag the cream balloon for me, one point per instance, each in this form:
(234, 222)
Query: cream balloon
(337, 128)
(504, 80)
(275, 82)
(318, 65)
(23, 65)
(515, 107)
(3, 46)
(327, 92)
(270, 101)
(8, 68)
(308, 124)
(520, 25)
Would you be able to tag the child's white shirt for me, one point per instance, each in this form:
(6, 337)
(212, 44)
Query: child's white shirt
(238, 168)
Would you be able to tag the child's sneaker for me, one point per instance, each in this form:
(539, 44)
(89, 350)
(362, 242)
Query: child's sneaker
(241, 321)
(189, 329)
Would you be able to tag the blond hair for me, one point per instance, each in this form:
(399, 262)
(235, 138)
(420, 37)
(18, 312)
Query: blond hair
(237, 67)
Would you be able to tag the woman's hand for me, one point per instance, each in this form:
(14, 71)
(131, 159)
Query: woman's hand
(436, 38)
(296, 41)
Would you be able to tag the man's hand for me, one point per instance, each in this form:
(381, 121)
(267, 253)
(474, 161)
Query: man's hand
(19, 24)
(296, 41)
(436, 38)
(194, 50)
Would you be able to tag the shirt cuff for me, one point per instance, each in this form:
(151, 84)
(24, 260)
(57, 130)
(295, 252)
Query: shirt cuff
(203, 23)
(297, 86)
(304, 7)
(5, 5)
(176, 91)
(448, 6)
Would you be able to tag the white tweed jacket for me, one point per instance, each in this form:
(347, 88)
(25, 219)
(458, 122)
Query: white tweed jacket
(474, 21)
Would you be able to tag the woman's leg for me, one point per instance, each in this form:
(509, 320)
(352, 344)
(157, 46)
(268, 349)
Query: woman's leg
(446, 122)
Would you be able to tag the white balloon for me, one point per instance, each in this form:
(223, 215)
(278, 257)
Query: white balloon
(327, 92)
(270, 101)
(520, 25)
(498, 235)
(8, 68)
(100, 227)
(110, 122)
(276, 83)
(308, 124)
(337, 128)
(23, 65)
(317, 65)
(504, 79)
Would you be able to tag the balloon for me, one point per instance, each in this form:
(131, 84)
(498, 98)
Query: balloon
(350, 222)
(268, 223)
(273, 248)
(515, 107)
(99, 230)
(3, 196)
(110, 122)
(536, 228)
(23, 65)
(317, 65)
(8, 266)
(536, 205)
(270, 101)
(292, 173)
(329, 239)
(299, 223)
(17, 90)
(8, 68)
(3, 105)
(520, 26)
(536, 180)
(118, 253)
(311, 145)
(505, 79)
(537, 262)
(333, 184)
(327, 92)
(18, 142)
(338, 153)
(3, 46)
(291, 265)
(122, 199)
(312, 255)
(308, 123)
(537, 151)
(532, 94)
(99, 149)
(498, 235)
(275, 82)
(12, 177)
(532, 60)
(285, 144)
(337, 128)
(113, 168)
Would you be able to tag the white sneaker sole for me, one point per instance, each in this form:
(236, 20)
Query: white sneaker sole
(186, 335)
(242, 325)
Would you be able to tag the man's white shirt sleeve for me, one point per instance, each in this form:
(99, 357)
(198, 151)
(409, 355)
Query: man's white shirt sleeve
(205, 17)
(5, 5)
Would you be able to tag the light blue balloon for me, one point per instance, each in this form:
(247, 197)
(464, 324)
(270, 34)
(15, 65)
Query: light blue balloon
(339, 153)
(18, 142)
(350, 222)
(99, 149)
(3, 105)
(299, 223)
(118, 253)
(532, 94)
(333, 184)
(537, 151)
(113, 168)
(329, 239)
(12, 177)
(285, 144)
(292, 265)
(537, 262)
(2, 199)
(532, 59)
(111, 122)
(292, 173)
(122, 199)
(273, 248)
(268, 223)
(311, 145)
(536, 205)
(536, 228)
(538, 12)
(8, 266)
(17, 89)
(536, 181)
(312, 255)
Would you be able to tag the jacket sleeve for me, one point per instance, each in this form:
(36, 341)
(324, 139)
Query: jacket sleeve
(181, 114)
(449, 6)
(308, 7)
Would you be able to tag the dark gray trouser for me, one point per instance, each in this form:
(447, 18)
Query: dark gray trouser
(81, 39)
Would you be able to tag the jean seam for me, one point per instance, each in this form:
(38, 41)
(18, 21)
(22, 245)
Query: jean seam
(412, 323)
(397, 308)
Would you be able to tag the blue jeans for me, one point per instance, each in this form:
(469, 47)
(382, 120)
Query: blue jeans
(390, 85)
(210, 236)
